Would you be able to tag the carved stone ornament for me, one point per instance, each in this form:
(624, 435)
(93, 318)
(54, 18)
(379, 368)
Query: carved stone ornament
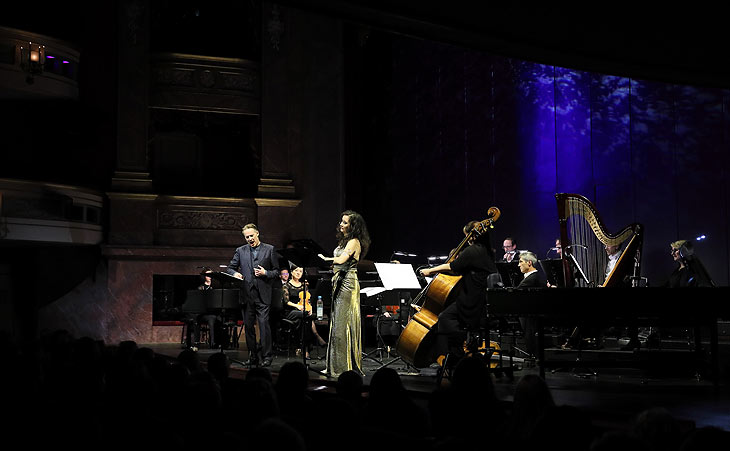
(206, 78)
(134, 11)
(205, 220)
(275, 27)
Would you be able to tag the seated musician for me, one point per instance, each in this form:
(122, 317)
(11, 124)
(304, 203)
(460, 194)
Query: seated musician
(531, 279)
(466, 307)
(690, 272)
(510, 250)
(297, 309)
(284, 276)
(277, 296)
(528, 268)
(193, 320)
(555, 252)
(613, 252)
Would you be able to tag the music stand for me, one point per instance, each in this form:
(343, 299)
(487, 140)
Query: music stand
(510, 271)
(376, 293)
(397, 276)
(223, 299)
(303, 257)
(553, 269)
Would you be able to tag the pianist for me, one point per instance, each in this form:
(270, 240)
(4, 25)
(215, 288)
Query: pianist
(193, 320)
(530, 274)
(531, 279)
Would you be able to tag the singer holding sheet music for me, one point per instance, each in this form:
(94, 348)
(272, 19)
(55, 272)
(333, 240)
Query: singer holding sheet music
(257, 264)
(344, 350)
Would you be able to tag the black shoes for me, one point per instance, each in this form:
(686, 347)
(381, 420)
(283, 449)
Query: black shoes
(251, 363)
(266, 362)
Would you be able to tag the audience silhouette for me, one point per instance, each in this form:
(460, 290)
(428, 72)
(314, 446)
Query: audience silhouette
(95, 395)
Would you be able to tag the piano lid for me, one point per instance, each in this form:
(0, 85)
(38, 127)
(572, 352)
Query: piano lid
(303, 253)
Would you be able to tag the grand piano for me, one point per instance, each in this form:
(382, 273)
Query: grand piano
(223, 301)
(695, 308)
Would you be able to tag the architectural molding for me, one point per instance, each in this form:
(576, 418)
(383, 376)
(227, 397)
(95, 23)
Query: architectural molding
(273, 202)
(204, 83)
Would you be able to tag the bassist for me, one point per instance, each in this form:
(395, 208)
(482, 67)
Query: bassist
(465, 308)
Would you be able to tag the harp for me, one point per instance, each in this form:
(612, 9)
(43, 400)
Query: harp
(584, 238)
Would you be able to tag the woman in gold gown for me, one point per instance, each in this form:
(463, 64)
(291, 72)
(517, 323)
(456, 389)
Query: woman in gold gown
(344, 349)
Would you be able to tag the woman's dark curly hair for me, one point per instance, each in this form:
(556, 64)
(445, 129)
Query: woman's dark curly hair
(358, 230)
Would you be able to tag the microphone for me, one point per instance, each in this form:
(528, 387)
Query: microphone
(547, 254)
(404, 254)
(438, 257)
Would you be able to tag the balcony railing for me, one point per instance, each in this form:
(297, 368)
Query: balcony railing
(49, 213)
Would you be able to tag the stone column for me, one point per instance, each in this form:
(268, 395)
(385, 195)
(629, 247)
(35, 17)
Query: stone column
(277, 131)
(301, 186)
(132, 167)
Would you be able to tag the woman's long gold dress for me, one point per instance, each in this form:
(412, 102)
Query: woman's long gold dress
(344, 349)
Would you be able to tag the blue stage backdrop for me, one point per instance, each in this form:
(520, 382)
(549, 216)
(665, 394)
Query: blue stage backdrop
(459, 130)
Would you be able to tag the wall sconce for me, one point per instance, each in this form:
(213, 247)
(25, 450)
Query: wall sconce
(32, 60)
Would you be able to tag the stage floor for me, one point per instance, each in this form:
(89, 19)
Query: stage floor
(612, 396)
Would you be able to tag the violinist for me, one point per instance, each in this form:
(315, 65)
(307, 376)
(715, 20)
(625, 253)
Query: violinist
(297, 308)
(474, 263)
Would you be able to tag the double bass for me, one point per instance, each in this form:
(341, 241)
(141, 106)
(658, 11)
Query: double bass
(414, 342)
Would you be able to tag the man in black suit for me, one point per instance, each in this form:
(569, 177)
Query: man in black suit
(257, 264)
(530, 279)
(530, 275)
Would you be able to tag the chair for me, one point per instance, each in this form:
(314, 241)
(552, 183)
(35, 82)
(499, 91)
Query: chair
(203, 332)
(478, 342)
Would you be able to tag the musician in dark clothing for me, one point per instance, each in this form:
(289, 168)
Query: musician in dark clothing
(509, 245)
(297, 310)
(193, 320)
(531, 279)
(257, 264)
(475, 263)
(690, 271)
(528, 268)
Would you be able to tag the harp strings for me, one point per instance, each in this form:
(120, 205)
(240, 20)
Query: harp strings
(588, 248)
